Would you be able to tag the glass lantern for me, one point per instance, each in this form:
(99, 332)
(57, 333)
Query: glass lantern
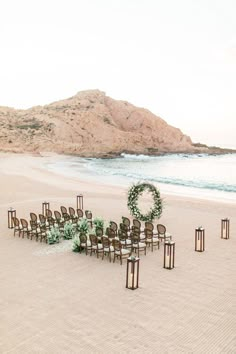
(199, 239)
(132, 274)
(225, 228)
(80, 201)
(169, 255)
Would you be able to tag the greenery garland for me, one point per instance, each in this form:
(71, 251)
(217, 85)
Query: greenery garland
(135, 192)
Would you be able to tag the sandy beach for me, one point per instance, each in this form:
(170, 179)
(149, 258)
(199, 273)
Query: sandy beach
(53, 300)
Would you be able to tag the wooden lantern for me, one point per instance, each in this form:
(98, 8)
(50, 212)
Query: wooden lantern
(132, 274)
(199, 239)
(10, 214)
(80, 201)
(169, 255)
(45, 207)
(225, 228)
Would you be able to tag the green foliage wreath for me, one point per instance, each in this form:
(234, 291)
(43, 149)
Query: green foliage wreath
(135, 192)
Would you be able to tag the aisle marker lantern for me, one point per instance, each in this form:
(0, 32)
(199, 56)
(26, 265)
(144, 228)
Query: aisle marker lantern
(199, 239)
(80, 201)
(45, 207)
(132, 273)
(225, 228)
(11, 213)
(169, 255)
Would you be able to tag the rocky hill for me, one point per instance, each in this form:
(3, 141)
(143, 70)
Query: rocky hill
(90, 124)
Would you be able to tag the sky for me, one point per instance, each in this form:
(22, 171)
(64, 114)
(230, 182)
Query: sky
(176, 58)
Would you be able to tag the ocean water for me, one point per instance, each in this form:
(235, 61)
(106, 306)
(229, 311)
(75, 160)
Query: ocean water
(200, 176)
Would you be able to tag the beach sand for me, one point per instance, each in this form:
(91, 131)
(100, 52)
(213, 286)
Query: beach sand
(53, 300)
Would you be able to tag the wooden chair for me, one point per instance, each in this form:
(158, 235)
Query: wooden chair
(137, 245)
(99, 233)
(110, 233)
(126, 221)
(58, 218)
(34, 231)
(151, 240)
(162, 234)
(89, 217)
(80, 213)
(124, 240)
(25, 228)
(49, 217)
(108, 249)
(73, 217)
(43, 221)
(114, 227)
(95, 246)
(42, 232)
(17, 225)
(63, 211)
(84, 243)
(119, 251)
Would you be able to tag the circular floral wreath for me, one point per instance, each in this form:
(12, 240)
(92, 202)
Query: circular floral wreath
(135, 192)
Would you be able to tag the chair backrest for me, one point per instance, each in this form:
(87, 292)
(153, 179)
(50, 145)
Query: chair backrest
(161, 229)
(33, 217)
(99, 231)
(83, 238)
(71, 211)
(113, 226)
(122, 235)
(80, 213)
(117, 245)
(148, 234)
(135, 237)
(48, 213)
(136, 223)
(24, 223)
(124, 227)
(63, 210)
(149, 225)
(126, 221)
(66, 217)
(93, 240)
(110, 232)
(88, 214)
(105, 242)
(16, 222)
(57, 215)
(42, 219)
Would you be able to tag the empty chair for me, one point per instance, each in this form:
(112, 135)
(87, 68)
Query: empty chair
(113, 226)
(151, 240)
(95, 246)
(63, 211)
(17, 225)
(84, 243)
(126, 222)
(99, 233)
(89, 217)
(110, 233)
(137, 245)
(108, 249)
(162, 234)
(59, 220)
(73, 217)
(25, 228)
(34, 219)
(34, 232)
(49, 217)
(66, 217)
(119, 251)
(80, 213)
(43, 221)
(124, 228)
(123, 237)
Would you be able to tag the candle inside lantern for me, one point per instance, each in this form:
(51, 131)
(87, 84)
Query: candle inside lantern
(131, 279)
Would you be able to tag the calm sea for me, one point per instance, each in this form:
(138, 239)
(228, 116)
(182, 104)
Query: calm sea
(201, 176)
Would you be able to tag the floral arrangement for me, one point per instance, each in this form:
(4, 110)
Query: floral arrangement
(76, 244)
(83, 227)
(69, 231)
(135, 192)
(98, 222)
(53, 236)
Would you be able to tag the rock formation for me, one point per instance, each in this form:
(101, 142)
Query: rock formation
(90, 124)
